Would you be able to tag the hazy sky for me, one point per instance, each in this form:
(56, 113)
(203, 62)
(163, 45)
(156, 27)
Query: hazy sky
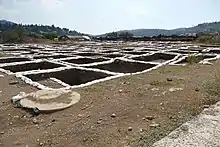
(99, 16)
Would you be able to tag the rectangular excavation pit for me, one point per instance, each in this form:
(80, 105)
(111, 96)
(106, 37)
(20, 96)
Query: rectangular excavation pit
(121, 66)
(71, 76)
(54, 57)
(195, 59)
(214, 51)
(15, 49)
(113, 55)
(108, 51)
(87, 54)
(157, 57)
(31, 66)
(11, 60)
(85, 60)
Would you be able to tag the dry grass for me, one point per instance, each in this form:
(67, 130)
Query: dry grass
(2, 54)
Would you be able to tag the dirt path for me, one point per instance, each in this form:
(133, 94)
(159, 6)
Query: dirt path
(129, 111)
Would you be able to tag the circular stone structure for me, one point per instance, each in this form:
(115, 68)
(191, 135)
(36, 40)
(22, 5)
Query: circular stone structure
(50, 100)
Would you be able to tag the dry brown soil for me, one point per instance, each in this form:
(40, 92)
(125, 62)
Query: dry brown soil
(89, 123)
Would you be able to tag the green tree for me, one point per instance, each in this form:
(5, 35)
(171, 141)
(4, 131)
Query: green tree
(10, 37)
(20, 33)
(50, 36)
(112, 35)
(125, 35)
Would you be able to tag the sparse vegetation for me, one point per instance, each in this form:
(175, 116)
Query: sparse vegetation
(208, 40)
(213, 87)
(123, 35)
(2, 54)
(50, 36)
(15, 35)
(191, 59)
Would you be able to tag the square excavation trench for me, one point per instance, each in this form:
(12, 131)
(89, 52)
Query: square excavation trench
(108, 51)
(54, 57)
(214, 51)
(87, 54)
(113, 55)
(157, 57)
(14, 49)
(11, 60)
(195, 59)
(31, 66)
(70, 76)
(85, 60)
(121, 66)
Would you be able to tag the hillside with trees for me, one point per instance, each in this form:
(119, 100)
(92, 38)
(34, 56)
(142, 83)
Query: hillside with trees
(12, 32)
(206, 28)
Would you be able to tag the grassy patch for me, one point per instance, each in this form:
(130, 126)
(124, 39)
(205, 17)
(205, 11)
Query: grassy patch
(212, 87)
(191, 59)
(2, 54)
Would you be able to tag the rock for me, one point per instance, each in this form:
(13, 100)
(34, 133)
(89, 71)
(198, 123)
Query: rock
(38, 140)
(155, 89)
(143, 118)
(185, 128)
(85, 107)
(197, 89)
(53, 120)
(169, 79)
(33, 100)
(36, 111)
(154, 125)
(113, 115)
(2, 132)
(170, 117)
(16, 116)
(120, 90)
(80, 115)
(1, 76)
(143, 130)
(35, 121)
(99, 122)
(173, 89)
(149, 117)
(13, 82)
(126, 83)
(164, 93)
(130, 128)
(41, 144)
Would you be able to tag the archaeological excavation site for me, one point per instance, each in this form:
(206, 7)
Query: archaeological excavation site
(82, 65)
(106, 94)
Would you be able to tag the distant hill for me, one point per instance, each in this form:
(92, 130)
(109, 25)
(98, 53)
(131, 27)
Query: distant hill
(37, 29)
(201, 28)
(5, 22)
